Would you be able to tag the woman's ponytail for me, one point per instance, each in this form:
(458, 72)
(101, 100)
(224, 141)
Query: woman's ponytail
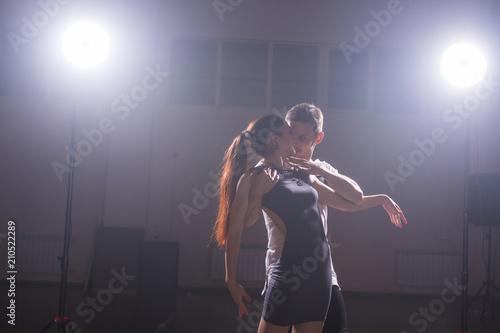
(234, 165)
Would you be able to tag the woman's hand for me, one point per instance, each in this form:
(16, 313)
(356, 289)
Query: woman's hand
(262, 181)
(308, 166)
(238, 292)
(395, 213)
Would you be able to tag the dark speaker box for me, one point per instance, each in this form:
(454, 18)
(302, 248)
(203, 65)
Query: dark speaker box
(483, 199)
(157, 286)
(116, 252)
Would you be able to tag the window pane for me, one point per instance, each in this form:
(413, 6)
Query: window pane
(348, 82)
(397, 81)
(192, 70)
(295, 75)
(244, 74)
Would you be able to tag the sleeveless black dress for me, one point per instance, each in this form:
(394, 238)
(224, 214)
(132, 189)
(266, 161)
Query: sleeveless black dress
(299, 286)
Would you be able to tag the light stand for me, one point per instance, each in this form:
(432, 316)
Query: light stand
(472, 215)
(60, 319)
(464, 65)
(85, 44)
(489, 294)
(484, 211)
(465, 248)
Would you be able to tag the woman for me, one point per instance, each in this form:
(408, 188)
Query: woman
(306, 121)
(299, 287)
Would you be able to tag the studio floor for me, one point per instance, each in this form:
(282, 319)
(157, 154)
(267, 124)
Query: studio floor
(213, 311)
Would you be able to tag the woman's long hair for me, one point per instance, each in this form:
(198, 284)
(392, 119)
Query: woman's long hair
(235, 165)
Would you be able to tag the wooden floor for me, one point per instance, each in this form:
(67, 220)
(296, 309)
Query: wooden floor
(212, 311)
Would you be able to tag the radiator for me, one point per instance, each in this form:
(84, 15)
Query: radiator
(38, 253)
(426, 269)
(251, 264)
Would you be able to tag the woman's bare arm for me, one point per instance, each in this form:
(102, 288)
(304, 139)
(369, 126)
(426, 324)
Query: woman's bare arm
(236, 219)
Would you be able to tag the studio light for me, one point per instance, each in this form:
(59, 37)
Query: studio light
(463, 65)
(85, 44)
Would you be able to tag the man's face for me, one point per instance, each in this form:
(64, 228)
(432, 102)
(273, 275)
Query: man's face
(304, 139)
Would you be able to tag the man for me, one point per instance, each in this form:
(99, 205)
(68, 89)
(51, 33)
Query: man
(306, 121)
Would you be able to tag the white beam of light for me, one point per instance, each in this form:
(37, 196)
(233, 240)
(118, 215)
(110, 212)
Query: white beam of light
(463, 65)
(85, 44)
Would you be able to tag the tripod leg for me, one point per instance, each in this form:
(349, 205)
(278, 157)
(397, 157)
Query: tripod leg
(495, 287)
(48, 326)
(477, 294)
(485, 301)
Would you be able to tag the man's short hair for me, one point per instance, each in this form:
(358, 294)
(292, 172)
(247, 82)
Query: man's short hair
(307, 113)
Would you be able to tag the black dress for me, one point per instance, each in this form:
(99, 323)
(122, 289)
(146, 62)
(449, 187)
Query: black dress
(300, 284)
